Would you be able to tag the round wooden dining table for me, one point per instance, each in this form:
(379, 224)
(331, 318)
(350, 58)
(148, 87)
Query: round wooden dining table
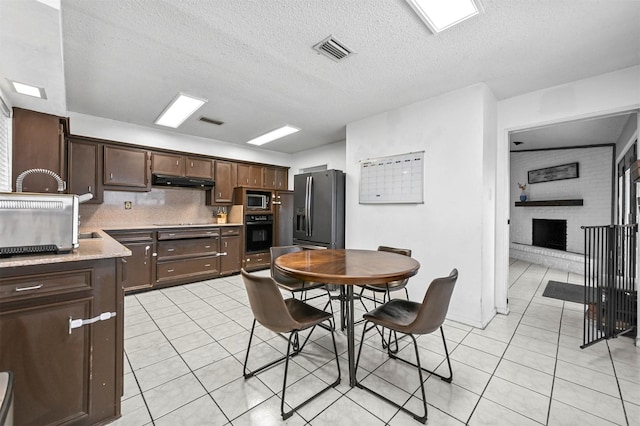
(346, 268)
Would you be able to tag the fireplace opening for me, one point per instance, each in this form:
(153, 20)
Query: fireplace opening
(550, 233)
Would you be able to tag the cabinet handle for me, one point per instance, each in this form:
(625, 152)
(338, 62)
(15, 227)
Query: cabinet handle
(171, 249)
(77, 323)
(89, 188)
(192, 164)
(110, 176)
(222, 254)
(177, 162)
(207, 247)
(207, 265)
(172, 235)
(220, 194)
(33, 287)
(169, 270)
(225, 244)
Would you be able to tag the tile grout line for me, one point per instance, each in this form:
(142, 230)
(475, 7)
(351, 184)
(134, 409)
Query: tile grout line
(615, 373)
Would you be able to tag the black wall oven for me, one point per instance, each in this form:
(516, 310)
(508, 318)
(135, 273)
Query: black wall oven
(258, 232)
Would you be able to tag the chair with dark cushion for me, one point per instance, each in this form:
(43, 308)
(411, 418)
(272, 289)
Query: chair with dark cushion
(386, 289)
(284, 316)
(413, 318)
(294, 285)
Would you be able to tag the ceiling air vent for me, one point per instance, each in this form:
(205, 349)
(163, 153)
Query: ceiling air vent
(333, 49)
(212, 121)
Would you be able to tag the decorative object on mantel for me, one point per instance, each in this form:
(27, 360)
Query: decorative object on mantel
(550, 203)
(564, 171)
(523, 196)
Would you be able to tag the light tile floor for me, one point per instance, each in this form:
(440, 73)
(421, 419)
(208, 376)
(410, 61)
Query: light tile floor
(185, 347)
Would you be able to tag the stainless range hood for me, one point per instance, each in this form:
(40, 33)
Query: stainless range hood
(185, 182)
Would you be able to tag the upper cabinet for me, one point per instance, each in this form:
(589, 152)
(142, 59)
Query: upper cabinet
(225, 177)
(276, 178)
(84, 165)
(126, 169)
(250, 175)
(38, 143)
(181, 165)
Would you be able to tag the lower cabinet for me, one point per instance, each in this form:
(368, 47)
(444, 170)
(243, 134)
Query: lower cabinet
(140, 271)
(187, 255)
(63, 375)
(230, 251)
(257, 261)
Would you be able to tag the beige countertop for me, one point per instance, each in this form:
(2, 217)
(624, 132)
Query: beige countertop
(90, 248)
(118, 227)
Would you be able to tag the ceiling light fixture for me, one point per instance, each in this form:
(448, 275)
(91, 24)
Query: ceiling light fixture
(29, 90)
(179, 110)
(273, 135)
(439, 15)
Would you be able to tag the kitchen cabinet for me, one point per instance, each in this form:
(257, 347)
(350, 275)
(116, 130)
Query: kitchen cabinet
(141, 265)
(257, 261)
(181, 165)
(38, 142)
(84, 164)
(187, 255)
(276, 178)
(126, 169)
(230, 250)
(225, 177)
(283, 217)
(250, 175)
(63, 375)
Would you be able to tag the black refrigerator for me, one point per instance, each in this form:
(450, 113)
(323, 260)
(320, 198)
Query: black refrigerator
(318, 200)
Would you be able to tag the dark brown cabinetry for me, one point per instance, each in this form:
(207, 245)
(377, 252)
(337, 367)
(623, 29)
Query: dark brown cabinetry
(257, 261)
(38, 142)
(283, 217)
(275, 178)
(187, 255)
(140, 270)
(230, 249)
(250, 175)
(180, 165)
(225, 177)
(126, 169)
(84, 165)
(63, 375)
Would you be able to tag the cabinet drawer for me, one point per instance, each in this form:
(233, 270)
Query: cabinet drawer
(132, 236)
(257, 260)
(22, 288)
(192, 247)
(170, 270)
(229, 231)
(178, 234)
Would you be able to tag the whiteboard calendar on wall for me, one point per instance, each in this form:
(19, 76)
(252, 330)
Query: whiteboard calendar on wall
(394, 179)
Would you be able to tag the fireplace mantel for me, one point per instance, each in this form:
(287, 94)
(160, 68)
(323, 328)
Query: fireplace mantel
(550, 203)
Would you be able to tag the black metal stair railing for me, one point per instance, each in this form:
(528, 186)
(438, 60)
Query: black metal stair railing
(610, 293)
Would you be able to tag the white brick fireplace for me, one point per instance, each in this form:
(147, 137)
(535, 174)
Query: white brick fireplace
(593, 187)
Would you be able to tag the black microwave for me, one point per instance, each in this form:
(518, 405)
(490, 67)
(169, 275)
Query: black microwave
(257, 202)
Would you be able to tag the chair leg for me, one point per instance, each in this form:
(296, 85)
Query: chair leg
(421, 419)
(446, 379)
(286, 415)
(246, 373)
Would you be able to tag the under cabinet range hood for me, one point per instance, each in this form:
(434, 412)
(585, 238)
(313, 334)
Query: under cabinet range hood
(181, 181)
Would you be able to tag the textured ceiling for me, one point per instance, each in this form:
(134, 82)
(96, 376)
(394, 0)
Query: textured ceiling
(254, 62)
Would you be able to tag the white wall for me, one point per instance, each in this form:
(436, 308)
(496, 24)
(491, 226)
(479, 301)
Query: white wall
(333, 155)
(604, 94)
(594, 186)
(448, 230)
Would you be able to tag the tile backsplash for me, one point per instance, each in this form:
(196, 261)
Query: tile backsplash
(160, 206)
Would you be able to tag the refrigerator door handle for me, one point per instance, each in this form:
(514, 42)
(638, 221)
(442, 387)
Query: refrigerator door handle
(307, 206)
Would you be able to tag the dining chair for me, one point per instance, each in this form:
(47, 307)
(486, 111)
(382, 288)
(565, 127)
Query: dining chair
(386, 290)
(293, 285)
(413, 318)
(281, 315)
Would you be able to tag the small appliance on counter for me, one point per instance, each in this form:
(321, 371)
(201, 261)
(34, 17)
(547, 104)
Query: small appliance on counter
(36, 223)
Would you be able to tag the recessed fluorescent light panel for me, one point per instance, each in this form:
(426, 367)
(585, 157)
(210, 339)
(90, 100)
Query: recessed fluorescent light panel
(179, 110)
(442, 14)
(29, 90)
(273, 135)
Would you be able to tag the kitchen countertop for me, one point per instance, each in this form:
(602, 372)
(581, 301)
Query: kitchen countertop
(96, 248)
(90, 248)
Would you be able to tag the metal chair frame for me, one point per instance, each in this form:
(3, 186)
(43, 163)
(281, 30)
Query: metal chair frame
(392, 355)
